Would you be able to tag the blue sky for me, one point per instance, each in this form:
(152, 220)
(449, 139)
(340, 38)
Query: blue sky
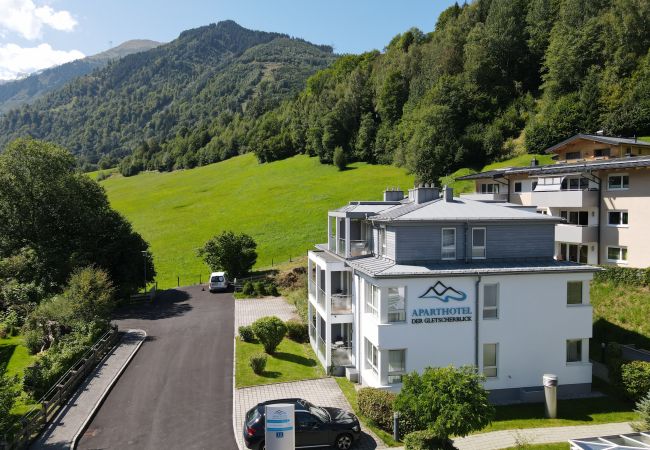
(38, 33)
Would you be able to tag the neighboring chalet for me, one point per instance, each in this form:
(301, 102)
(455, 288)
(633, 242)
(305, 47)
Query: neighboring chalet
(428, 280)
(599, 187)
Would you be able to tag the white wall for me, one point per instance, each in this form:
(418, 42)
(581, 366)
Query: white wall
(533, 326)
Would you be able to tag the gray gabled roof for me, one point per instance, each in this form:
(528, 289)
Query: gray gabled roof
(612, 140)
(460, 209)
(629, 162)
(383, 268)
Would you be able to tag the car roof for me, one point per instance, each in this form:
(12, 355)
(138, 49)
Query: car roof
(217, 274)
(297, 402)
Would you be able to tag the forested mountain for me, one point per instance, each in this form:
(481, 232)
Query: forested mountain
(171, 96)
(462, 94)
(16, 93)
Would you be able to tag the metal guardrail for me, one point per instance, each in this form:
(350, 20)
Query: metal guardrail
(32, 423)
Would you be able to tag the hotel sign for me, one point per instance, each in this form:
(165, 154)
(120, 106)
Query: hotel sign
(438, 314)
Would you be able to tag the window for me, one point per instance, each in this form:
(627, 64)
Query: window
(574, 184)
(617, 182)
(617, 219)
(489, 188)
(396, 304)
(534, 185)
(574, 293)
(518, 187)
(372, 357)
(396, 365)
(490, 360)
(574, 350)
(573, 252)
(491, 301)
(573, 155)
(478, 243)
(601, 152)
(617, 254)
(372, 299)
(575, 217)
(305, 421)
(448, 248)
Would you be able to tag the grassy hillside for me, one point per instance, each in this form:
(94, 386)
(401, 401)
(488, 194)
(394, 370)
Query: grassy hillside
(466, 186)
(283, 205)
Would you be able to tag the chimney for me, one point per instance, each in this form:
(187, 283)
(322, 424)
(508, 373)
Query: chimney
(534, 162)
(423, 193)
(393, 195)
(448, 193)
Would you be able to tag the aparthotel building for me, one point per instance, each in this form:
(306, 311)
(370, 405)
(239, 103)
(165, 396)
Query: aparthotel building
(431, 280)
(599, 187)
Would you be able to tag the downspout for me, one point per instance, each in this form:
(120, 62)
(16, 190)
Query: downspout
(600, 219)
(476, 337)
(465, 252)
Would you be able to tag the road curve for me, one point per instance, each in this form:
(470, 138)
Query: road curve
(177, 391)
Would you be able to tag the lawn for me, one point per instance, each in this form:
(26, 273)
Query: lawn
(282, 205)
(291, 362)
(14, 358)
(621, 313)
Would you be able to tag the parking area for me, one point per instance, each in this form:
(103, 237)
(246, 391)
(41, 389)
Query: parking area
(324, 392)
(248, 311)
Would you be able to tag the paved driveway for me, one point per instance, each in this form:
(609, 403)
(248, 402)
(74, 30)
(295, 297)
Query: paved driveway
(177, 391)
(249, 310)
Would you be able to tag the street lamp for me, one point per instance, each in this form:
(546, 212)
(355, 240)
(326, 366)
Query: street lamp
(145, 255)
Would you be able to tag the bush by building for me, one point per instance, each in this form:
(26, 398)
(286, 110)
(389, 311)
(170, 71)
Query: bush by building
(246, 333)
(297, 331)
(624, 275)
(258, 363)
(377, 405)
(448, 401)
(248, 288)
(425, 440)
(635, 379)
(643, 410)
(269, 331)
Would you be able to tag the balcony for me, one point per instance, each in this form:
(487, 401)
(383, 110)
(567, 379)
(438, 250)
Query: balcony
(341, 355)
(566, 198)
(359, 248)
(341, 304)
(488, 197)
(577, 234)
(321, 348)
(320, 297)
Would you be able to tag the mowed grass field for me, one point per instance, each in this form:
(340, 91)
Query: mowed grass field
(283, 205)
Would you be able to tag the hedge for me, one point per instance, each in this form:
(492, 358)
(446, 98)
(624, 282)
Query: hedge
(425, 440)
(624, 275)
(377, 405)
(297, 331)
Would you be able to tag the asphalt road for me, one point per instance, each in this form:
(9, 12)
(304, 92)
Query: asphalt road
(177, 391)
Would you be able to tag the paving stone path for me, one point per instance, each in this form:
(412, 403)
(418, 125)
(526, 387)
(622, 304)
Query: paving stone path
(320, 392)
(72, 418)
(248, 311)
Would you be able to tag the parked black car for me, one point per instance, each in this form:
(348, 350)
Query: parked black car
(316, 426)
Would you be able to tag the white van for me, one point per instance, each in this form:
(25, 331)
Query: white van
(219, 282)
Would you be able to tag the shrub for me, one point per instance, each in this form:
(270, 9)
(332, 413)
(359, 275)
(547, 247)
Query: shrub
(425, 440)
(248, 288)
(246, 333)
(258, 363)
(3, 331)
(643, 410)
(635, 379)
(269, 331)
(297, 331)
(447, 400)
(624, 275)
(298, 298)
(614, 361)
(34, 340)
(260, 288)
(340, 159)
(272, 289)
(11, 323)
(8, 395)
(377, 405)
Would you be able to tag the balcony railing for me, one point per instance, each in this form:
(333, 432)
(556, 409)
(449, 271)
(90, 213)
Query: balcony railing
(576, 234)
(320, 297)
(359, 248)
(312, 331)
(341, 356)
(341, 248)
(565, 198)
(341, 304)
(332, 243)
(312, 288)
(321, 348)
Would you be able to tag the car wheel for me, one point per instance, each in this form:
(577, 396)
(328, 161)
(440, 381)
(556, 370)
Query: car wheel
(343, 442)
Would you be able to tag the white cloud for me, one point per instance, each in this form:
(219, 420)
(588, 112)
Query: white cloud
(27, 19)
(16, 61)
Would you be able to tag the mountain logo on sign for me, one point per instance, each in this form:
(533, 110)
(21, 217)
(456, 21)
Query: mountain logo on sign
(444, 293)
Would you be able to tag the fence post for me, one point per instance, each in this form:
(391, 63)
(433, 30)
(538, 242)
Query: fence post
(178, 281)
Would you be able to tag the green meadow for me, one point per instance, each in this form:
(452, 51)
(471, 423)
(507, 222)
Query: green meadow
(283, 205)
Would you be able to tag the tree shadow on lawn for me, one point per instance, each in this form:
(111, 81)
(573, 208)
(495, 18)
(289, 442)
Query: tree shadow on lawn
(271, 374)
(6, 352)
(296, 359)
(170, 303)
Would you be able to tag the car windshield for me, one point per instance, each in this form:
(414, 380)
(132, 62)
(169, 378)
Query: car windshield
(320, 413)
(215, 279)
